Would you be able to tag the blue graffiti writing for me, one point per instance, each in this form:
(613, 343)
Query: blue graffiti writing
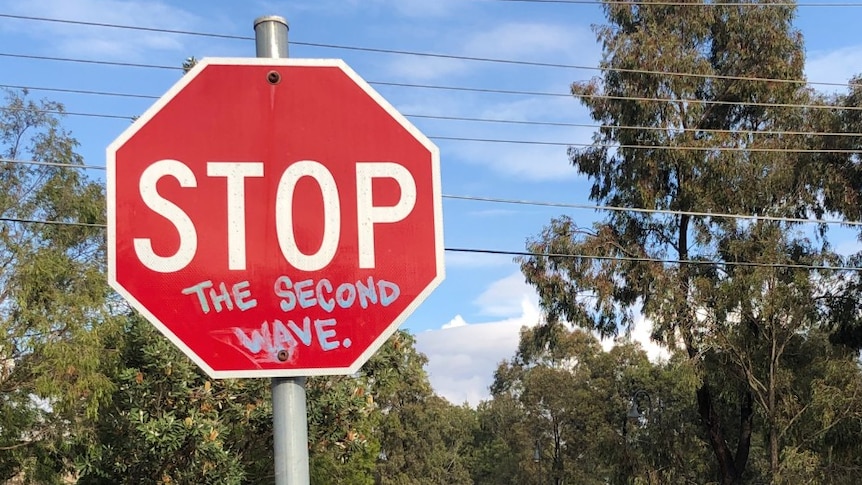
(324, 294)
(273, 337)
(239, 296)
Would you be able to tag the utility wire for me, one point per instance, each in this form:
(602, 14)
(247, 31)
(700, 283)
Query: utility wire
(413, 53)
(480, 90)
(564, 205)
(596, 145)
(688, 4)
(541, 255)
(593, 145)
(473, 90)
(89, 61)
(626, 127)
(700, 262)
(79, 91)
(619, 98)
(716, 102)
(125, 27)
(70, 113)
(50, 223)
(644, 147)
(52, 164)
(454, 118)
(610, 208)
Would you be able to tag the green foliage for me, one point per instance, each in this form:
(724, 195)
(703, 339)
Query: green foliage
(558, 415)
(423, 439)
(426, 442)
(341, 417)
(752, 335)
(166, 423)
(53, 296)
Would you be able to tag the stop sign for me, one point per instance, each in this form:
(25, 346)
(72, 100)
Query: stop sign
(274, 217)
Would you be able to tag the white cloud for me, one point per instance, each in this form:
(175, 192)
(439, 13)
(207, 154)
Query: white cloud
(415, 8)
(405, 8)
(535, 163)
(506, 297)
(845, 240)
(462, 358)
(456, 322)
(641, 334)
(527, 41)
(531, 160)
(533, 40)
(544, 108)
(848, 247)
(422, 68)
(836, 66)
(102, 42)
(528, 161)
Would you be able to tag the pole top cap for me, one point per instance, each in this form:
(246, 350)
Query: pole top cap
(271, 18)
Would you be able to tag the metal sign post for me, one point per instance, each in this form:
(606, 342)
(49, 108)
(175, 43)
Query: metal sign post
(289, 416)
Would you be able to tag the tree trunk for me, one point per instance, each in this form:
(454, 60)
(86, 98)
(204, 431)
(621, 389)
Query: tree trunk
(726, 466)
(773, 426)
(773, 454)
(730, 466)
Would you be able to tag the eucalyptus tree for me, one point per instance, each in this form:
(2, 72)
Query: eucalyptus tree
(702, 113)
(54, 303)
(573, 412)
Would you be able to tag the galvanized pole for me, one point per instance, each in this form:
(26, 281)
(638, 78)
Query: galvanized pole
(289, 417)
(270, 36)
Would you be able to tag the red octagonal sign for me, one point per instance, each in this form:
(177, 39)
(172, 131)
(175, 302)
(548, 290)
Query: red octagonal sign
(274, 217)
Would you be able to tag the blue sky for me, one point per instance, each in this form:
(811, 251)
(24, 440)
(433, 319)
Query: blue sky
(471, 321)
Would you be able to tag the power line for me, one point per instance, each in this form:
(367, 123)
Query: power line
(79, 91)
(564, 205)
(592, 145)
(610, 208)
(596, 145)
(716, 102)
(52, 164)
(619, 98)
(376, 83)
(627, 127)
(540, 255)
(495, 60)
(687, 4)
(71, 113)
(89, 61)
(459, 118)
(478, 90)
(125, 27)
(645, 147)
(421, 54)
(471, 89)
(699, 262)
(51, 223)
(145, 96)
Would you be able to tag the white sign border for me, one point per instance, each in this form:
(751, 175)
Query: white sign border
(287, 62)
